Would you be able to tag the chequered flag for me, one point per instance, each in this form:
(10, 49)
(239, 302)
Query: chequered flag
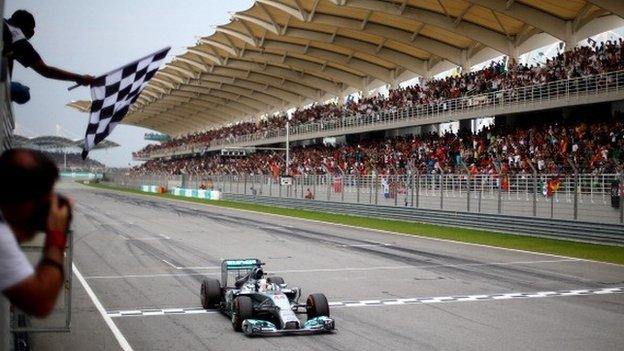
(113, 93)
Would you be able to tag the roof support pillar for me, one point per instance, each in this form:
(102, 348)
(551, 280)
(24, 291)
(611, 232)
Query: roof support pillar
(341, 97)
(394, 83)
(465, 61)
(364, 88)
(570, 36)
(427, 75)
(514, 53)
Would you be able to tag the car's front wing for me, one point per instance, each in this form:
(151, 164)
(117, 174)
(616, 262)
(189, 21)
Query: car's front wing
(258, 327)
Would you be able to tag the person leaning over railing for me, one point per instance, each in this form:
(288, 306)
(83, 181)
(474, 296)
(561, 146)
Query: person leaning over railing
(17, 30)
(29, 205)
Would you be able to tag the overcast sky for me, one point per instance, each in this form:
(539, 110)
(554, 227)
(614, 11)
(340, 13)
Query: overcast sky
(94, 37)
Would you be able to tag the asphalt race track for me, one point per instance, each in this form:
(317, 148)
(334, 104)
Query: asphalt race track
(143, 258)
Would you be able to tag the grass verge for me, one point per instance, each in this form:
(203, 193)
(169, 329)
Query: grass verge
(596, 252)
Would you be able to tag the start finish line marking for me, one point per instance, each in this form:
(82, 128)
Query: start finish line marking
(390, 302)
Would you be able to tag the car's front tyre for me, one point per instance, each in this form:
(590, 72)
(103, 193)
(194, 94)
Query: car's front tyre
(317, 305)
(243, 309)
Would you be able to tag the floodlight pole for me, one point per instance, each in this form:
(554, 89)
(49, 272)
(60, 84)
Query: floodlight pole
(287, 146)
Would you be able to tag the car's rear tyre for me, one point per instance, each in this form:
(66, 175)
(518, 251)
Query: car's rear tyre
(317, 305)
(210, 293)
(275, 280)
(243, 309)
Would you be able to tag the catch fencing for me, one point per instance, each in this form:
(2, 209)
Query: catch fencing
(582, 197)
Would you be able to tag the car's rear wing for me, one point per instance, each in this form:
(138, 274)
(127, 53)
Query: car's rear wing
(237, 264)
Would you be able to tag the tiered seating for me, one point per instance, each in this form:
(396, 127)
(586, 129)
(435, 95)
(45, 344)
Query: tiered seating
(591, 145)
(581, 61)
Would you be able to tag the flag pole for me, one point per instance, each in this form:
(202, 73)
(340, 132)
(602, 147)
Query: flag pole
(128, 64)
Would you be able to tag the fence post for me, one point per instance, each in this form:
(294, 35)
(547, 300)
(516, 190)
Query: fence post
(552, 206)
(534, 188)
(468, 178)
(327, 184)
(396, 190)
(270, 185)
(412, 190)
(342, 187)
(376, 190)
(441, 191)
(576, 182)
(418, 190)
(500, 183)
(357, 188)
(370, 192)
(481, 191)
(468, 181)
(621, 197)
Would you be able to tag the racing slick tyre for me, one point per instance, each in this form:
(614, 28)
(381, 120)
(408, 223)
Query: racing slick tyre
(275, 280)
(210, 293)
(243, 309)
(316, 306)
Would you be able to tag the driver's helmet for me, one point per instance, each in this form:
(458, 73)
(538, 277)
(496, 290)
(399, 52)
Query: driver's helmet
(263, 285)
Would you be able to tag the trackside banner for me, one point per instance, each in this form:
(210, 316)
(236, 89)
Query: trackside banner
(197, 193)
(184, 192)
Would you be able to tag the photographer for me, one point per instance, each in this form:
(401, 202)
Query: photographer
(28, 206)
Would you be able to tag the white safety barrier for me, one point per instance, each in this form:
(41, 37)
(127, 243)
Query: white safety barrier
(197, 193)
(150, 188)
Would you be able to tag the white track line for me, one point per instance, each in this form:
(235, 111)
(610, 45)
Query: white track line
(478, 298)
(170, 264)
(390, 302)
(159, 312)
(197, 267)
(180, 268)
(331, 270)
(121, 339)
(155, 275)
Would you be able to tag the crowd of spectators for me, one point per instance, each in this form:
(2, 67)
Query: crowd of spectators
(581, 61)
(592, 146)
(74, 162)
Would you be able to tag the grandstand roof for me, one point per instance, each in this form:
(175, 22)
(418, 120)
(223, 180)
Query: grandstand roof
(52, 142)
(285, 53)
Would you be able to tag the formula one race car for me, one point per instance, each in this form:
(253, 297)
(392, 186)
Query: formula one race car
(263, 305)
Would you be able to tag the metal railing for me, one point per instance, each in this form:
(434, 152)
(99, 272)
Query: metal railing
(566, 90)
(7, 123)
(611, 234)
(582, 197)
(60, 320)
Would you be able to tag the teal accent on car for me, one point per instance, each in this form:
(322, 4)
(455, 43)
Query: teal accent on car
(241, 264)
(254, 326)
(320, 322)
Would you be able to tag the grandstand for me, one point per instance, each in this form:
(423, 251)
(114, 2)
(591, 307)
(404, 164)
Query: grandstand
(360, 92)
(304, 62)
(65, 152)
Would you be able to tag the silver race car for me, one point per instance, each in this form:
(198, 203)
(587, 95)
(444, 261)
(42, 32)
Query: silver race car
(263, 305)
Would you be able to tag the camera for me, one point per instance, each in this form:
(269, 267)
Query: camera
(43, 211)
